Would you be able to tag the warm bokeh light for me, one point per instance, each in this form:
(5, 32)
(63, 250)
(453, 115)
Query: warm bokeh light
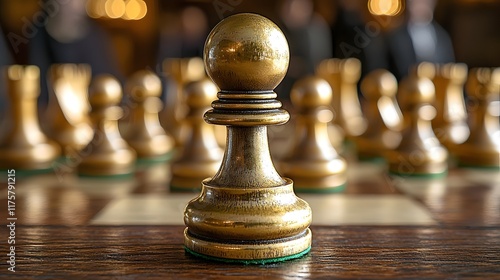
(385, 7)
(123, 9)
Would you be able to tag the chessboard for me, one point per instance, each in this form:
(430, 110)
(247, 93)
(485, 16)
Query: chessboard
(78, 227)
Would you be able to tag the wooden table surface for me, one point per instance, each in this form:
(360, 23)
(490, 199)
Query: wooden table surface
(56, 237)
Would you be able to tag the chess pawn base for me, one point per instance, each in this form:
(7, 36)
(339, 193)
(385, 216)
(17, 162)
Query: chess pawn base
(117, 163)
(415, 164)
(37, 158)
(478, 157)
(254, 226)
(183, 179)
(369, 149)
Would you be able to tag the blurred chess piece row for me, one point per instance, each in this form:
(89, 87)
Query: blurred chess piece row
(97, 129)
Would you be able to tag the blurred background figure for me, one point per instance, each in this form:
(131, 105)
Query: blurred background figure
(5, 59)
(183, 34)
(308, 37)
(351, 39)
(70, 36)
(419, 39)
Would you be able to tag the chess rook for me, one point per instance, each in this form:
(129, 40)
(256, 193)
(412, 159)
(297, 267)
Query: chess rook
(200, 156)
(143, 132)
(107, 154)
(24, 146)
(313, 163)
(482, 148)
(379, 89)
(247, 212)
(419, 153)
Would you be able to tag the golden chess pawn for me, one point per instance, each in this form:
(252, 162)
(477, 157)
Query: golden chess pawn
(67, 120)
(200, 156)
(143, 131)
(384, 132)
(247, 212)
(482, 148)
(107, 154)
(419, 153)
(24, 146)
(450, 124)
(313, 163)
(178, 72)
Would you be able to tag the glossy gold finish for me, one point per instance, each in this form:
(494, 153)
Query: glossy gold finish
(200, 156)
(343, 76)
(247, 211)
(450, 124)
(107, 154)
(179, 72)
(67, 115)
(313, 163)
(386, 121)
(419, 152)
(482, 148)
(24, 145)
(143, 132)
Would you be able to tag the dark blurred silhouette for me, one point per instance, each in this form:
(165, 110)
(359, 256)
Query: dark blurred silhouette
(70, 36)
(308, 37)
(183, 35)
(419, 39)
(351, 38)
(5, 59)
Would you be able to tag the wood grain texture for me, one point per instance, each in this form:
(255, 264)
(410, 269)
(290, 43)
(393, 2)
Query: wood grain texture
(156, 252)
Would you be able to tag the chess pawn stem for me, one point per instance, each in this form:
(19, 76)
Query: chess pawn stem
(144, 132)
(419, 153)
(107, 154)
(200, 156)
(25, 146)
(482, 148)
(313, 163)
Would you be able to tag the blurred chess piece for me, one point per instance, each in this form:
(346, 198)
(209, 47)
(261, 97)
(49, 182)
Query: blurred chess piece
(66, 117)
(379, 88)
(107, 154)
(482, 148)
(419, 153)
(247, 212)
(200, 156)
(450, 124)
(313, 163)
(179, 72)
(24, 146)
(343, 76)
(143, 131)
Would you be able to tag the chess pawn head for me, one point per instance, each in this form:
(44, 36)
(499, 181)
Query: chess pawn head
(236, 58)
(311, 93)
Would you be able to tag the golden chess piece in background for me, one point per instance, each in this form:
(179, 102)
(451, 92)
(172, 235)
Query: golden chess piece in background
(419, 153)
(379, 88)
(343, 76)
(107, 154)
(143, 131)
(450, 123)
(247, 212)
(67, 115)
(24, 146)
(200, 156)
(313, 163)
(482, 148)
(178, 72)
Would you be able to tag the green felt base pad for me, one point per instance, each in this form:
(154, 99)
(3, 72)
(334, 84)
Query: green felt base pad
(249, 262)
(419, 175)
